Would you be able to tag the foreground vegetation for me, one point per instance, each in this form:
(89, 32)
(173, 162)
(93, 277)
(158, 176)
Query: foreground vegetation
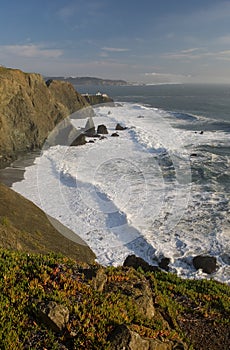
(196, 312)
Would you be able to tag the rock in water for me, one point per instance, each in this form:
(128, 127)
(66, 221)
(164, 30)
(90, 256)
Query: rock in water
(207, 263)
(135, 262)
(90, 127)
(119, 127)
(79, 141)
(102, 129)
(115, 134)
(164, 263)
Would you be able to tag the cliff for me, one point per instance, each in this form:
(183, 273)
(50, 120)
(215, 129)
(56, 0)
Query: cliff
(30, 109)
(24, 227)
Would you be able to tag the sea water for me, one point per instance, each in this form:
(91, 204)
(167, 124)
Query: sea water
(161, 188)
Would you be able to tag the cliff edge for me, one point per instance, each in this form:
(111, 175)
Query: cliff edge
(30, 108)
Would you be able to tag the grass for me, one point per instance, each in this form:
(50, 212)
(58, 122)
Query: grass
(182, 306)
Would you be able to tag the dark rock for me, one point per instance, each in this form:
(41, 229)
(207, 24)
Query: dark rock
(201, 133)
(119, 127)
(207, 263)
(90, 127)
(54, 315)
(115, 134)
(80, 140)
(193, 155)
(122, 338)
(91, 141)
(164, 264)
(103, 137)
(102, 129)
(135, 262)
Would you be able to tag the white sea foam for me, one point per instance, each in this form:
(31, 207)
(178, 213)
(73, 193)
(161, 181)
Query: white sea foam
(133, 193)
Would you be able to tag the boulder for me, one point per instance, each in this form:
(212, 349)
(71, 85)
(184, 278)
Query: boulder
(99, 280)
(90, 127)
(115, 134)
(122, 338)
(135, 262)
(102, 129)
(80, 140)
(207, 263)
(164, 263)
(119, 127)
(53, 315)
(142, 296)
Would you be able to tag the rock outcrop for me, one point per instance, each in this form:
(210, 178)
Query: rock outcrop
(54, 315)
(98, 98)
(120, 127)
(30, 109)
(206, 263)
(102, 129)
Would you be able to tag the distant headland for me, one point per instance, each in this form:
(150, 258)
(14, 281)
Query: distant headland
(90, 81)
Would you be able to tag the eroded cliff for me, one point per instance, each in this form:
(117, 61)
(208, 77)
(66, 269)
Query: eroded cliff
(30, 109)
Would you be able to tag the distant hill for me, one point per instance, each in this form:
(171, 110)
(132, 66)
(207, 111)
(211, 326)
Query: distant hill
(90, 81)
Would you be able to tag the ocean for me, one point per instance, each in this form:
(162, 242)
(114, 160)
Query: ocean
(161, 188)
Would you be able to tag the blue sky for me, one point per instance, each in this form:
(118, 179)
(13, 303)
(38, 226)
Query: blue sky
(140, 41)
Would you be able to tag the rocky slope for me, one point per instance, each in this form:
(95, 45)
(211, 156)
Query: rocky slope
(30, 109)
(51, 302)
(24, 227)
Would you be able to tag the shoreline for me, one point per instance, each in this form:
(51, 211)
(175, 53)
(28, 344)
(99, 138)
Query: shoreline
(14, 172)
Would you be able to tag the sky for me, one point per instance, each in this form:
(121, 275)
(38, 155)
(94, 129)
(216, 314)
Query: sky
(147, 41)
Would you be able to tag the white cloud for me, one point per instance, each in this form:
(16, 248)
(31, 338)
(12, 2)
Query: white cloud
(29, 51)
(196, 54)
(194, 49)
(115, 49)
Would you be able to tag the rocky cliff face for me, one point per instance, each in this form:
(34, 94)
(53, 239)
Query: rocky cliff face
(30, 109)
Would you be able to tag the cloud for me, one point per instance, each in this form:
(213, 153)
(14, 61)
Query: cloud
(196, 54)
(30, 51)
(115, 49)
(189, 50)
